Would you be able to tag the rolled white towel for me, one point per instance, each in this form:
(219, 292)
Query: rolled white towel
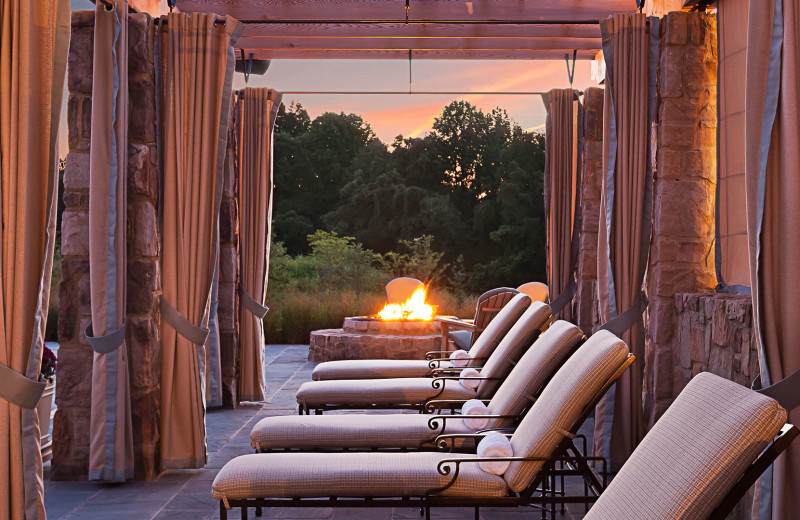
(472, 384)
(457, 357)
(495, 445)
(474, 407)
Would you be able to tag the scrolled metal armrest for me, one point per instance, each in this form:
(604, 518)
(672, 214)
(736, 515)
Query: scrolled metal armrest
(431, 353)
(433, 423)
(450, 369)
(436, 404)
(444, 469)
(438, 382)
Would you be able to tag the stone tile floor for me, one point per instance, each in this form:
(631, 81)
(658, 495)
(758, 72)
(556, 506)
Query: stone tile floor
(186, 494)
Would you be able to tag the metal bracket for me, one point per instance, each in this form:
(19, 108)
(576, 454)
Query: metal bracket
(571, 71)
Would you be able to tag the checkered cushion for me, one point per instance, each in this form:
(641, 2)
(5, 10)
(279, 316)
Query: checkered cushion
(694, 454)
(305, 475)
(357, 431)
(364, 392)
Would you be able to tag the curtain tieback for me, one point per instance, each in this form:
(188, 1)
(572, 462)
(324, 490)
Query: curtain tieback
(252, 305)
(183, 326)
(18, 389)
(108, 343)
(628, 318)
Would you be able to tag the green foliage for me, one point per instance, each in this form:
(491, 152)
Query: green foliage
(421, 261)
(474, 183)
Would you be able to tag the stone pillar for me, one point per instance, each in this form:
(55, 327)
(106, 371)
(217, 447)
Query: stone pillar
(682, 254)
(144, 247)
(591, 175)
(229, 277)
(71, 423)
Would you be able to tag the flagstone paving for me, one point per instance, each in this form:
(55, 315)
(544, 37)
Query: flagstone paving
(186, 494)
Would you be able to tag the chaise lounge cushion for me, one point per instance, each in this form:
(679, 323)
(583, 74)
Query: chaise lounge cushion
(361, 431)
(388, 368)
(305, 475)
(365, 392)
(373, 369)
(694, 454)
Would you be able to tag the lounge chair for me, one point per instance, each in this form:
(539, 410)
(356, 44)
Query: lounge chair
(419, 431)
(414, 392)
(401, 289)
(429, 479)
(701, 457)
(464, 333)
(493, 332)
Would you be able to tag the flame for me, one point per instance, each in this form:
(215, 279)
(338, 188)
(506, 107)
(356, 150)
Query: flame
(414, 308)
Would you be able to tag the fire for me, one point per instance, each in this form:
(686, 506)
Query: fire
(414, 308)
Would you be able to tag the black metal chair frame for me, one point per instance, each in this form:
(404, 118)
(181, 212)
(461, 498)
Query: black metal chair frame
(565, 460)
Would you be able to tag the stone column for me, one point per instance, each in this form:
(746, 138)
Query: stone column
(591, 175)
(73, 382)
(229, 277)
(682, 254)
(71, 423)
(144, 247)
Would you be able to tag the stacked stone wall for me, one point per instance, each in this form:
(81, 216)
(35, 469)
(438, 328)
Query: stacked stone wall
(591, 176)
(73, 390)
(681, 254)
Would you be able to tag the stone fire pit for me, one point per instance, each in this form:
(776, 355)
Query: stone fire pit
(363, 337)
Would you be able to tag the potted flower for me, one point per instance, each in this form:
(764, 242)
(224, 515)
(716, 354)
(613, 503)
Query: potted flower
(48, 373)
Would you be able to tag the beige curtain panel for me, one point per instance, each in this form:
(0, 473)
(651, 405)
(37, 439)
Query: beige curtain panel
(630, 48)
(111, 431)
(257, 108)
(563, 147)
(34, 38)
(772, 171)
(731, 257)
(195, 75)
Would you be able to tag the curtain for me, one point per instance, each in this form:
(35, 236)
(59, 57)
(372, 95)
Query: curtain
(213, 366)
(195, 71)
(630, 48)
(731, 258)
(111, 430)
(772, 177)
(562, 177)
(257, 108)
(34, 38)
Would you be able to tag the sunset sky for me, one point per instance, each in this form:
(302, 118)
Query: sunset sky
(403, 114)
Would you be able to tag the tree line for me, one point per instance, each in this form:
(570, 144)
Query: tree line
(473, 183)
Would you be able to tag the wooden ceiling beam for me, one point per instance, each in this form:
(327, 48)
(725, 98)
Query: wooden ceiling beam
(427, 54)
(420, 44)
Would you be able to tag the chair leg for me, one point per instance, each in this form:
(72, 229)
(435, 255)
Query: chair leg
(258, 511)
(477, 513)
(244, 512)
(223, 513)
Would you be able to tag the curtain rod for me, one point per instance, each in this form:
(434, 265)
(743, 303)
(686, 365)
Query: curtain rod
(411, 92)
(423, 22)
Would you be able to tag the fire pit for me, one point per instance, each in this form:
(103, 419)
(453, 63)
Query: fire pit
(398, 331)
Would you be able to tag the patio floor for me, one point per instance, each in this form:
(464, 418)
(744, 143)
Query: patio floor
(186, 494)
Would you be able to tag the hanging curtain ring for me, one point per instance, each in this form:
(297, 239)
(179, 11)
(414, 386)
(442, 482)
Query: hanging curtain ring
(109, 6)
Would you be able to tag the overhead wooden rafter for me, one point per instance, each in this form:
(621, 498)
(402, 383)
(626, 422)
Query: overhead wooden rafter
(430, 29)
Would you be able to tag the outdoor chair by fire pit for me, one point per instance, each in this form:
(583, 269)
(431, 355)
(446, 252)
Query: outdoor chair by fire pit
(464, 333)
(509, 304)
(542, 446)
(415, 392)
(419, 431)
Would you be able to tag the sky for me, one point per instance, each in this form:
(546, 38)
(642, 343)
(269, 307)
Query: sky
(409, 115)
